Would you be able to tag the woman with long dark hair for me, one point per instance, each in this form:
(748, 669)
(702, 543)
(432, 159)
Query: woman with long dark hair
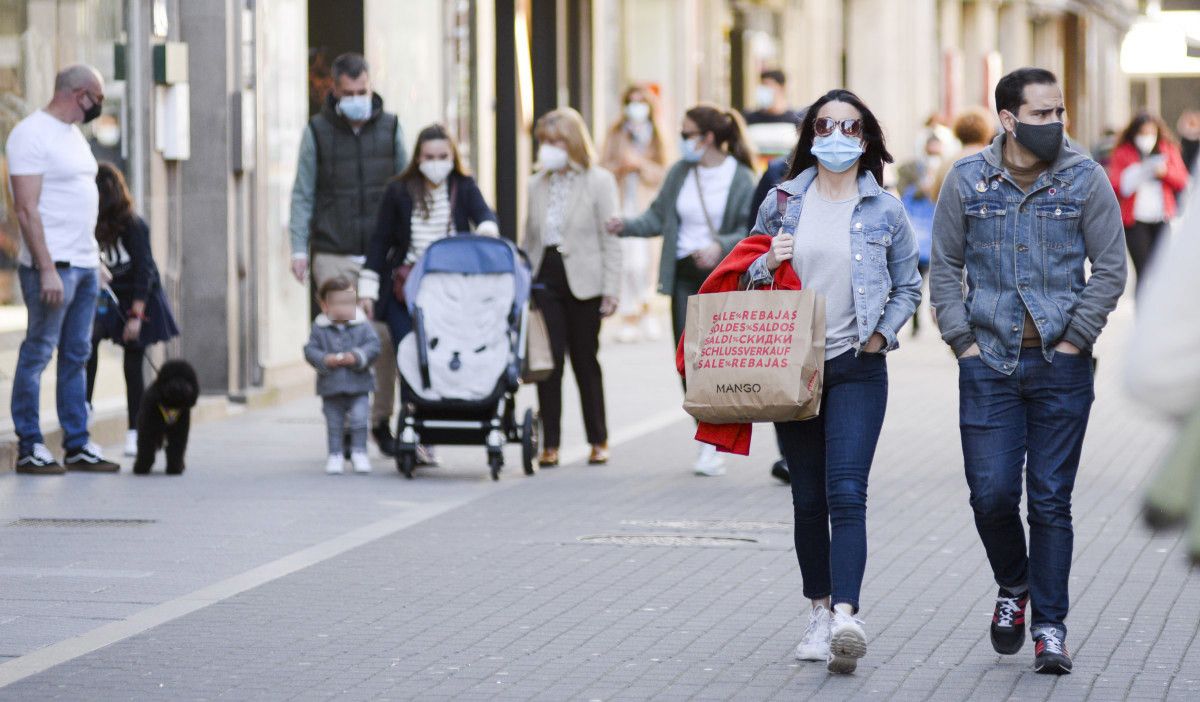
(701, 214)
(1148, 173)
(434, 197)
(850, 241)
(133, 310)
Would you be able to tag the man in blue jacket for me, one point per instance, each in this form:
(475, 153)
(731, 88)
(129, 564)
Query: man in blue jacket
(1021, 218)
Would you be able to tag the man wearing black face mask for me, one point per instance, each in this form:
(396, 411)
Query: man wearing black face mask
(1020, 219)
(53, 176)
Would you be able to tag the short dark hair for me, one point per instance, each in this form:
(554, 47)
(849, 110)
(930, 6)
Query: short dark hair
(1010, 91)
(875, 153)
(349, 64)
(774, 74)
(337, 283)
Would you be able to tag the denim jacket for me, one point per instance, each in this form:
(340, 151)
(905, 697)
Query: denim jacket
(887, 285)
(1025, 251)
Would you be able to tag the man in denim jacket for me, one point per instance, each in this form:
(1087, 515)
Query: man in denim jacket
(1020, 218)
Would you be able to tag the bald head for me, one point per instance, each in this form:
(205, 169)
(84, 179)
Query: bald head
(78, 77)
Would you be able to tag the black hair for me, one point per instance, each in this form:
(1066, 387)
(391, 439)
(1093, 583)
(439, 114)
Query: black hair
(1010, 91)
(728, 130)
(774, 74)
(875, 152)
(349, 64)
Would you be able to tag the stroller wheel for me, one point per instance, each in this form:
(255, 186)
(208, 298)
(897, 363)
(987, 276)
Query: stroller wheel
(405, 461)
(495, 461)
(530, 432)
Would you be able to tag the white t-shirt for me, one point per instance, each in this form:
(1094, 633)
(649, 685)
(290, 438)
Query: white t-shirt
(694, 232)
(43, 145)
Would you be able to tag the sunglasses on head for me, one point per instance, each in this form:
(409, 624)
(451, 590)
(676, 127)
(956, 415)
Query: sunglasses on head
(850, 127)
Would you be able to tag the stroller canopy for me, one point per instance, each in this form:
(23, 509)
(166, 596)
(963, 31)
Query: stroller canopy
(470, 254)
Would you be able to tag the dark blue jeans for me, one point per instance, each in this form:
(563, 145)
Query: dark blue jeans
(66, 328)
(830, 458)
(1033, 420)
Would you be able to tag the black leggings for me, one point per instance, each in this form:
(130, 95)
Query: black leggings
(134, 382)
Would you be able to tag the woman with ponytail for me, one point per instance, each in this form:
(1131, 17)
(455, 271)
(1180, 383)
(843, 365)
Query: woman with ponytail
(701, 214)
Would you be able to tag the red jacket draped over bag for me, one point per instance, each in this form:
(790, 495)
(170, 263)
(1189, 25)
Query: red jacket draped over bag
(726, 277)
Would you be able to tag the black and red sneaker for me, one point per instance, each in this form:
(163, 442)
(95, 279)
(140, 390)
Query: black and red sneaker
(1050, 652)
(1008, 622)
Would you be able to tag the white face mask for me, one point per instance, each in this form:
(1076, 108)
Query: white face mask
(637, 111)
(1145, 142)
(552, 158)
(436, 170)
(764, 97)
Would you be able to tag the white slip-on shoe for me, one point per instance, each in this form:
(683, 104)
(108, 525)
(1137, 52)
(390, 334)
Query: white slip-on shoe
(815, 644)
(709, 462)
(847, 643)
(131, 442)
(335, 464)
(361, 463)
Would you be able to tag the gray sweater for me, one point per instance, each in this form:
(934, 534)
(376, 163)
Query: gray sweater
(357, 338)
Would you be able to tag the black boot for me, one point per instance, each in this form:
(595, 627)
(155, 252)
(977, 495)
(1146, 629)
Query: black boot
(382, 433)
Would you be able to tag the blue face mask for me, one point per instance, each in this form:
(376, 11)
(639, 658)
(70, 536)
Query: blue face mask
(690, 150)
(837, 152)
(356, 108)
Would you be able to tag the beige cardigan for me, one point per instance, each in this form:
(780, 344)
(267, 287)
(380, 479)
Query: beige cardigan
(591, 256)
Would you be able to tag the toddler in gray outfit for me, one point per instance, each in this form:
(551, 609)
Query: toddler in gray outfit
(342, 347)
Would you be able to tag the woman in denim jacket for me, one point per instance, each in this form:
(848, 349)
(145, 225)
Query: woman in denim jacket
(852, 243)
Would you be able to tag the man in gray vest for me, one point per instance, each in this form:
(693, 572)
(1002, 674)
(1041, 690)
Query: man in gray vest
(349, 151)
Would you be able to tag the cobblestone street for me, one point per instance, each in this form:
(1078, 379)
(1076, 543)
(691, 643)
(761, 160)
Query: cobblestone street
(261, 578)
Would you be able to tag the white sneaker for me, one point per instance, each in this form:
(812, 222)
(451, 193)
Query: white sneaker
(847, 643)
(131, 442)
(334, 465)
(651, 329)
(815, 644)
(709, 462)
(361, 463)
(628, 333)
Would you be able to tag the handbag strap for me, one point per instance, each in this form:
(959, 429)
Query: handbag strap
(704, 207)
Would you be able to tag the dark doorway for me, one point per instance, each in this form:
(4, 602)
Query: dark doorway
(334, 27)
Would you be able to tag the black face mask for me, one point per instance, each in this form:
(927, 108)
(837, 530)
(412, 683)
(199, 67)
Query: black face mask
(1043, 140)
(92, 112)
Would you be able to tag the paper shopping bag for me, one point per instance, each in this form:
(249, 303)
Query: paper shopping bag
(754, 356)
(539, 359)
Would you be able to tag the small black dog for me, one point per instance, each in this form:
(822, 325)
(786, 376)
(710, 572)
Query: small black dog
(166, 416)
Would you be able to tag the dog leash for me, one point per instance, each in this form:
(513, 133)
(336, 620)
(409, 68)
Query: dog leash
(113, 304)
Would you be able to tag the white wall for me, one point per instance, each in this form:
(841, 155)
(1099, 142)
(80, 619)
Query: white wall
(404, 43)
(283, 109)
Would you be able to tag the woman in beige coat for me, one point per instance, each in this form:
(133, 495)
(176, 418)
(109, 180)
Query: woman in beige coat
(577, 268)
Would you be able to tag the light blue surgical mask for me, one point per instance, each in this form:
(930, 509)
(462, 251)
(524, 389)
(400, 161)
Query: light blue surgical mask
(356, 108)
(837, 152)
(690, 150)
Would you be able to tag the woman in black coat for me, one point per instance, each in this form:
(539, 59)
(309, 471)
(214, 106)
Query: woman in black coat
(433, 198)
(132, 311)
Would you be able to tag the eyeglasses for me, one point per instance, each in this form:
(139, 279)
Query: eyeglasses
(850, 127)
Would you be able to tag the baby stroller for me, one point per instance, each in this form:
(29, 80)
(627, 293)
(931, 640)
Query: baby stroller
(461, 365)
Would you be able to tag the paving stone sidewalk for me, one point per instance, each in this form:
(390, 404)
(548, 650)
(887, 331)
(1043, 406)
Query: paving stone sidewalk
(543, 592)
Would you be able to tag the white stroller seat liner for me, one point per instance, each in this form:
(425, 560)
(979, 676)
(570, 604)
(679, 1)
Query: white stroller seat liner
(466, 322)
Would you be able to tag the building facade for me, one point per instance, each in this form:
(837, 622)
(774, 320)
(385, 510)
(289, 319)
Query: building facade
(207, 102)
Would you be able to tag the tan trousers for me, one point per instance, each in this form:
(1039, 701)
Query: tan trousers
(326, 266)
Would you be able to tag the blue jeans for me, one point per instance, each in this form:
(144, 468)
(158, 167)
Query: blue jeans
(68, 328)
(830, 458)
(1033, 420)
